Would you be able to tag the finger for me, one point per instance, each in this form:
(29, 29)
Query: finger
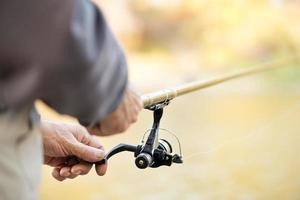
(56, 174)
(70, 161)
(138, 106)
(128, 104)
(94, 141)
(81, 168)
(101, 129)
(135, 108)
(134, 114)
(137, 99)
(101, 169)
(95, 130)
(87, 153)
(72, 176)
(116, 123)
(139, 103)
(54, 162)
(65, 172)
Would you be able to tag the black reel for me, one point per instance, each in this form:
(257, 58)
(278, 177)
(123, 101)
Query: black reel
(154, 152)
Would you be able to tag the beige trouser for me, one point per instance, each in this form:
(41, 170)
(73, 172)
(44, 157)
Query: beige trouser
(20, 156)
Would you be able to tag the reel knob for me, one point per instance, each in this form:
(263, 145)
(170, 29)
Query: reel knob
(143, 160)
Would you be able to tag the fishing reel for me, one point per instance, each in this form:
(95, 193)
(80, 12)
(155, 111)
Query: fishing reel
(152, 152)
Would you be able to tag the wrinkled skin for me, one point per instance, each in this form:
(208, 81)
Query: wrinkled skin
(61, 140)
(64, 140)
(119, 120)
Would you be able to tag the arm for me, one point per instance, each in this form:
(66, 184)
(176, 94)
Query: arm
(62, 52)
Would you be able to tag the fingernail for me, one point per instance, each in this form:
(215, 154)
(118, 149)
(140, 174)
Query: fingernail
(78, 172)
(66, 174)
(100, 154)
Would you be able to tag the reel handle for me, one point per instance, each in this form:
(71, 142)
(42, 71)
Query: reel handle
(72, 160)
(117, 149)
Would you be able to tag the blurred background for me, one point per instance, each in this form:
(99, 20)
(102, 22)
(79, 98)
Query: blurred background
(241, 139)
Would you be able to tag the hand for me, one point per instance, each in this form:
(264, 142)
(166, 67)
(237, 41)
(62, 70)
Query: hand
(64, 140)
(119, 121)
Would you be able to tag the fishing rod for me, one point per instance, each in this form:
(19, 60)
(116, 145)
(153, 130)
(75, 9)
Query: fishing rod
(155, 151)
(166, 95)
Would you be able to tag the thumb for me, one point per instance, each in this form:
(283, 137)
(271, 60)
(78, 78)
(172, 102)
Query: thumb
(87, 153)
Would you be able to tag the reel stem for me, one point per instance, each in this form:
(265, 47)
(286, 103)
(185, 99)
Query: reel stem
(145, 157)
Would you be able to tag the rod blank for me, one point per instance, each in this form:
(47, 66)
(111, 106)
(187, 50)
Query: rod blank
(173, 92)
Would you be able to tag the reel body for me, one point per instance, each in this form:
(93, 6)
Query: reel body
(154, 152)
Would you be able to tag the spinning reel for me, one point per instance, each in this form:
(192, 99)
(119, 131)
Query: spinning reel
(154, 152)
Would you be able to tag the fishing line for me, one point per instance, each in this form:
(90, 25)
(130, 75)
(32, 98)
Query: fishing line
(295, 107)
(269, 124)
(169, 132)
